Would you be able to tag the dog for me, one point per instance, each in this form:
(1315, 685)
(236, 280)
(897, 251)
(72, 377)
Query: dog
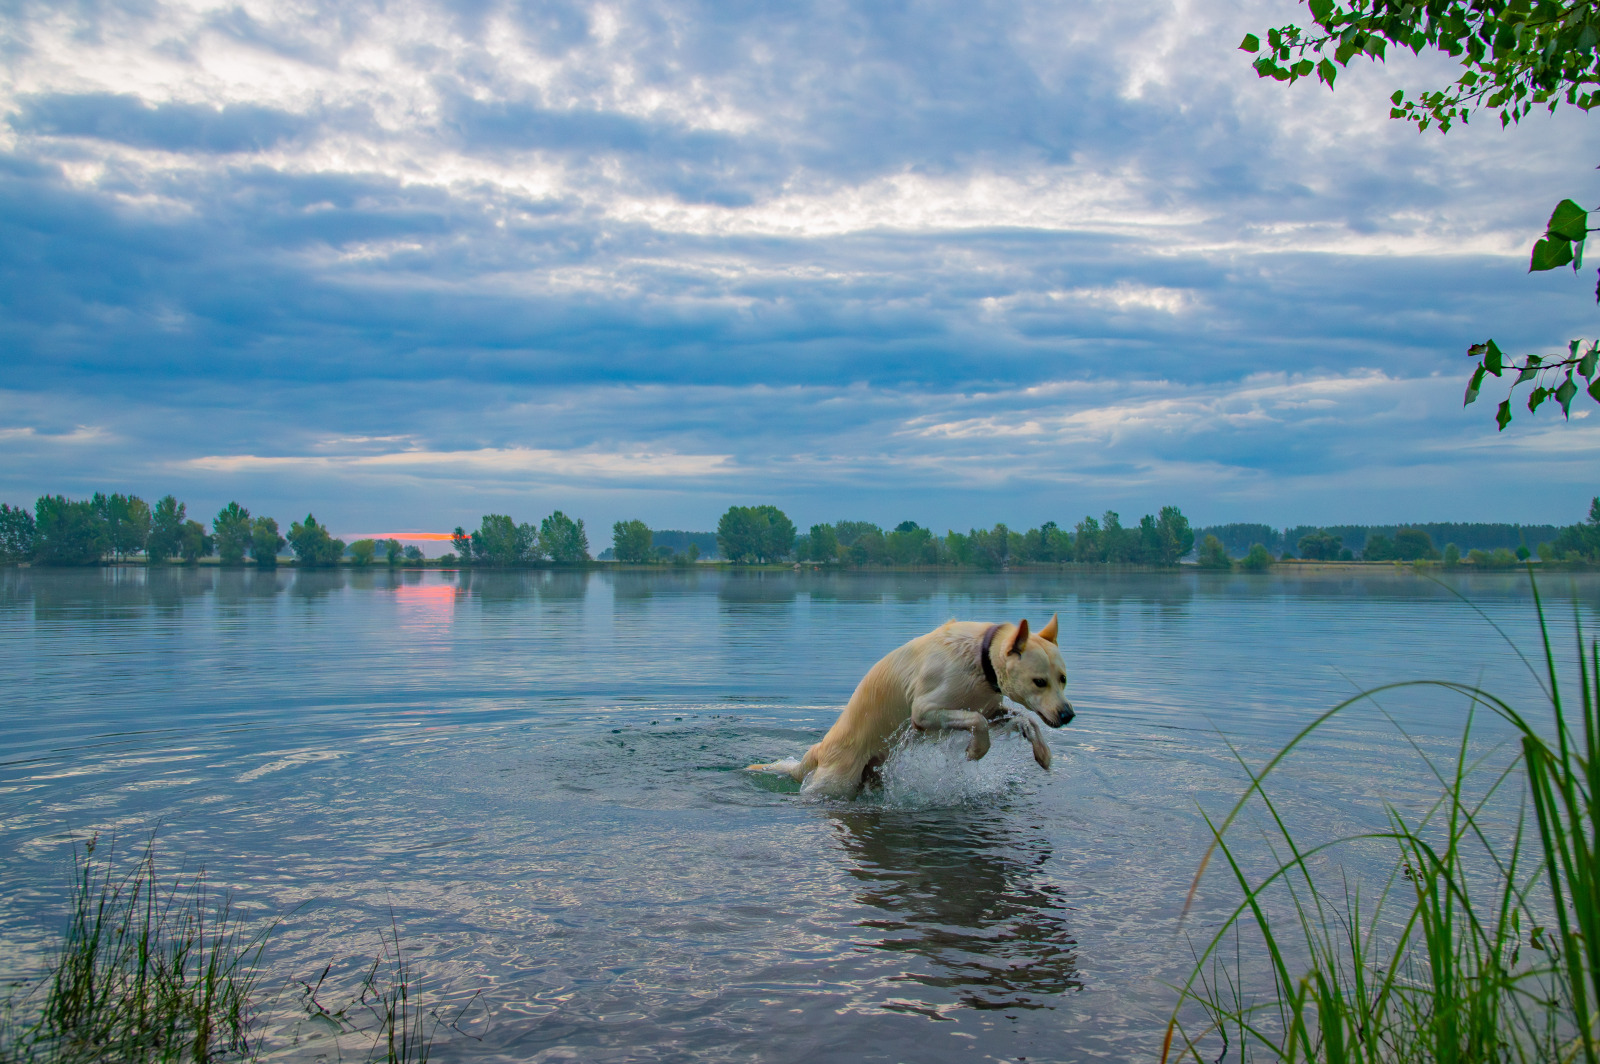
(953, 678)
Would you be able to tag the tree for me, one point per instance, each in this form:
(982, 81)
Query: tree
(463, 545)
(1452, 555)
(16, 535)
(757, 533)
(1170, 537)
(1086, 541)
(1580, 540)
(563, 539)
(414, 555)
(313, 544)
(1379, 548)
(193, 542)
(911, 544)
(127, 520)
(1320, 546)
(1259, 560)
(501, 541)
(393, 553)
(1118, 545)
(991, 550)
(1413, 544)
(363, 551)
(231, 530)
(1515, 55)
(1047, 543)
(166, 530)
(631, 542)
(1213, 555)
(265, 543)
(869, 548)
(822, 544)
(67, 532)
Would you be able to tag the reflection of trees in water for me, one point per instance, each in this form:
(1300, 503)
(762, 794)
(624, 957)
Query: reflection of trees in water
(314, 585)
(238, 586)
(502, 587)
(632, 585)
(112, 591)
(968, 896)
(756, 588)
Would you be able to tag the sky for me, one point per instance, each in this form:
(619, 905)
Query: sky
(402, 263)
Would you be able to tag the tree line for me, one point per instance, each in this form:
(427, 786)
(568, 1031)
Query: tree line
(62, 531)
(1237, 538)
(501, 542)
(765, 534)
(1577, 543)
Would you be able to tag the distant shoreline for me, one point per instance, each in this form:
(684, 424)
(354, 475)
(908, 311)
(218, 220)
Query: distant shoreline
(1303, 565)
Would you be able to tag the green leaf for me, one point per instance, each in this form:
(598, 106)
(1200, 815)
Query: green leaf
(1251, 43)
(1568, 221)
(1502, 416)
(1550, 253)
(1564, 395)
(1303, 67)
(1589, 361)
(1398, 98)
(1327, 71)
(1493, 360)
(1321, 10)
(1472, 386)
(1594, 391)
(1536, 397)
(1527, 374)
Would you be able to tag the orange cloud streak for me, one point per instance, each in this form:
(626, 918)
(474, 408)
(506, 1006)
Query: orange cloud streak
(444, 536)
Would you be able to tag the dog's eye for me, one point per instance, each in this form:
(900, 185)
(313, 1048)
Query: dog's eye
(1041, 683)
(1063, 677)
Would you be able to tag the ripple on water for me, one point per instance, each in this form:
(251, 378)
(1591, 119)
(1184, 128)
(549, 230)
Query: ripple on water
(542, 785)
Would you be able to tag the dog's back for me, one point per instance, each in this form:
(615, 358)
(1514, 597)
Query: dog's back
(880, 706)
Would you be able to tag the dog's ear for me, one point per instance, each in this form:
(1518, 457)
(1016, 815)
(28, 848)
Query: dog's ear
(1019, 642)
(1049, 631)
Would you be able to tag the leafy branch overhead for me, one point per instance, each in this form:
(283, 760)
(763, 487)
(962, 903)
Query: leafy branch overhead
(1553, 378)
(1515, 55)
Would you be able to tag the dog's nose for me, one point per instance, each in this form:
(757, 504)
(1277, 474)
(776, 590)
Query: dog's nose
(1066, 714)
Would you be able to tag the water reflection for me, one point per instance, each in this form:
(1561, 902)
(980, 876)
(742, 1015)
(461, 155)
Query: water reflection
(965, 891)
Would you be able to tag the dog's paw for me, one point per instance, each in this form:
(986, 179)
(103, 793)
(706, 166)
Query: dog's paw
(978, 745)
(1041, 754)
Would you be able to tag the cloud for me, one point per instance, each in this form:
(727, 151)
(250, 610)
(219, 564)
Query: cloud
(172, 127)
(392, 258)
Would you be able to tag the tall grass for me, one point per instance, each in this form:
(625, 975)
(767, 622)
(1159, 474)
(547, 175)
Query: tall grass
(147, 972)
(143, 972)
(1481, 944)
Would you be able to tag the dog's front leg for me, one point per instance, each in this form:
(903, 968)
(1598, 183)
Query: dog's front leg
(930, 716)
(1028, 725)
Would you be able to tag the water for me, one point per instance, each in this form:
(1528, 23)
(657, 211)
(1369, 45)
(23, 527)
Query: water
(535, 775)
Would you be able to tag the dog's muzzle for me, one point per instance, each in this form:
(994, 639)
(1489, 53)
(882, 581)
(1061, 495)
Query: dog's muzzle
(1063, 717)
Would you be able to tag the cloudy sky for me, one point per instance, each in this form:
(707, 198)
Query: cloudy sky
(405, 262)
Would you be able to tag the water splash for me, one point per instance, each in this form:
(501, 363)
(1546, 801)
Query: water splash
(924, 772)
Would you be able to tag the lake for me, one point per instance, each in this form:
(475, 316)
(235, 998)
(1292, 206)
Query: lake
(535, 776)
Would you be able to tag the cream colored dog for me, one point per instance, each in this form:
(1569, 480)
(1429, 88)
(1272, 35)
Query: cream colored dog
(952, 678)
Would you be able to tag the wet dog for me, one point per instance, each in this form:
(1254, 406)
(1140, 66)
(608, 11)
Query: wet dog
(953, 678)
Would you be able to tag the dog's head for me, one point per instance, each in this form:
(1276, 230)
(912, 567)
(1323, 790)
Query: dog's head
(1031, 672)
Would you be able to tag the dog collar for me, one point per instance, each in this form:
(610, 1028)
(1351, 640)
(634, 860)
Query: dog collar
(983, 658)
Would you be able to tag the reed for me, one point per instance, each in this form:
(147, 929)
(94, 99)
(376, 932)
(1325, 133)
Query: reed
(1481, 944)
(148, 972)
(143, 972)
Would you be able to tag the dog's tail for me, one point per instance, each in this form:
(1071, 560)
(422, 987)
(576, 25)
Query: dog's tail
(796, 770)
